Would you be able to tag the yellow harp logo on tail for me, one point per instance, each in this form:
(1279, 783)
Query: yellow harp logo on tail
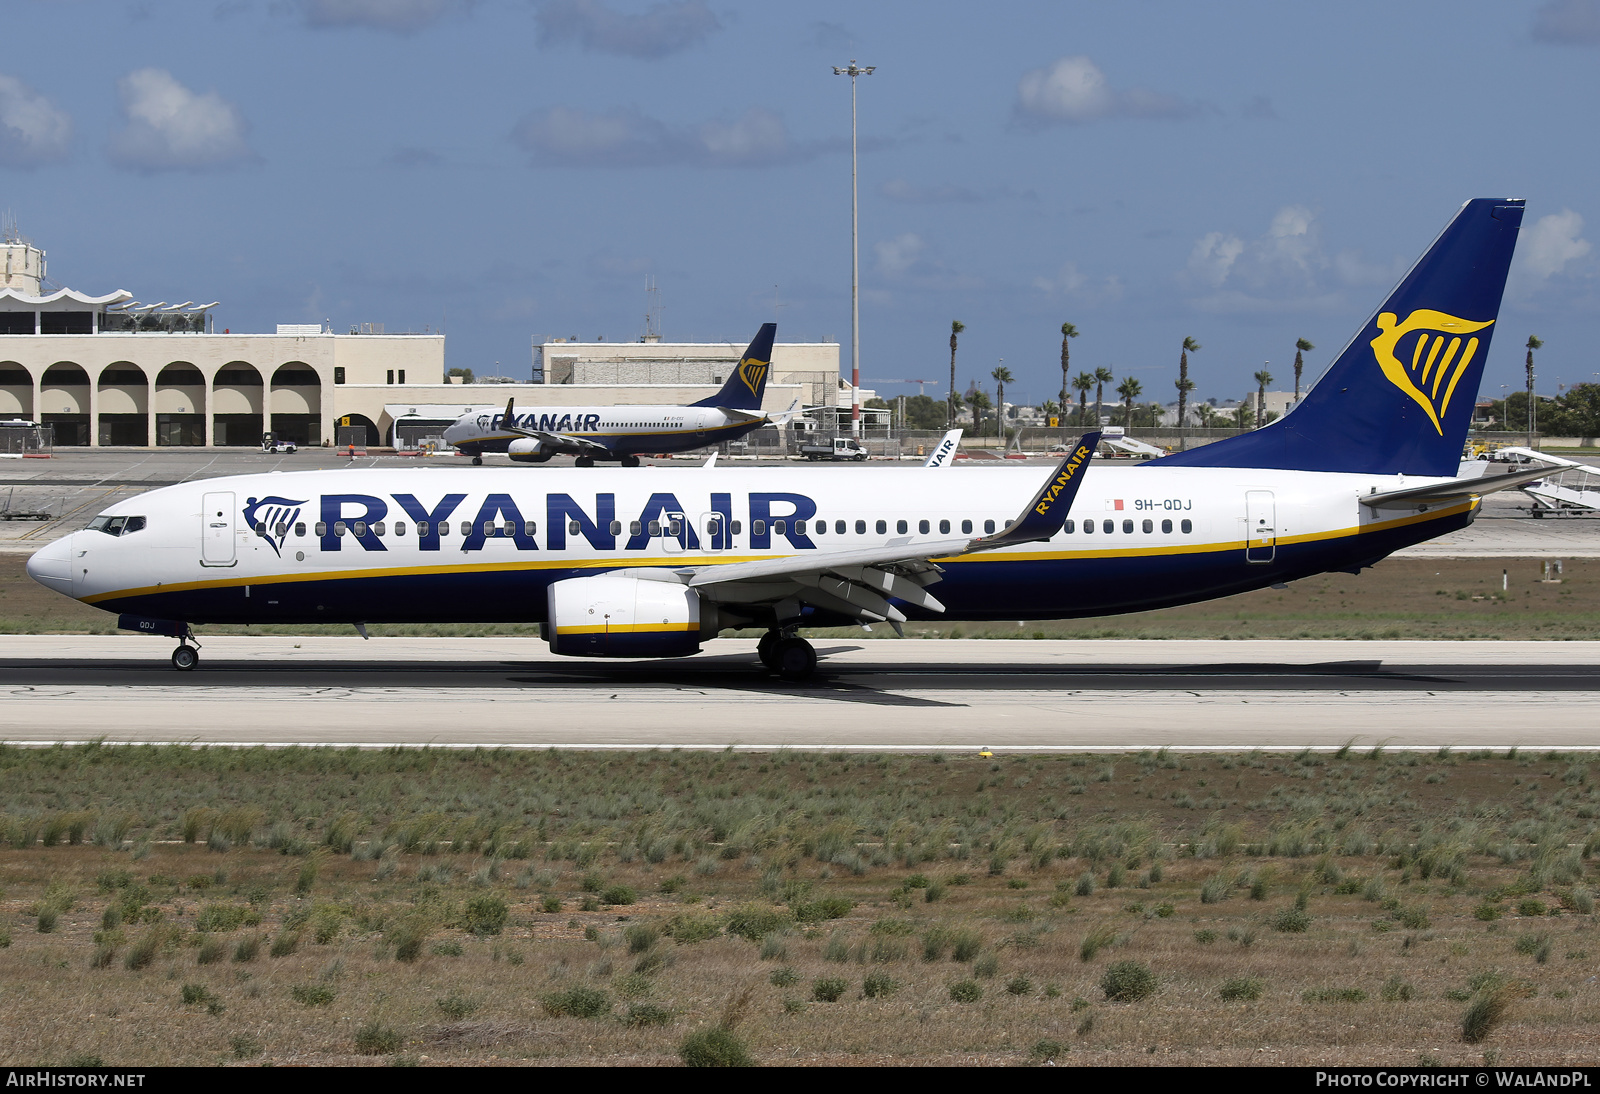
(1438, 357)
(751, 372)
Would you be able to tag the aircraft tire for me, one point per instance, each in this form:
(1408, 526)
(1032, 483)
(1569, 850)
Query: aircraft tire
(796, 659)
(477, 461)
(767, 649)
(584, 461)
(630, 461)
(185, 658)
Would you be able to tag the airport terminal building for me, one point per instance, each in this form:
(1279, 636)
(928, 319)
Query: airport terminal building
(109, 370)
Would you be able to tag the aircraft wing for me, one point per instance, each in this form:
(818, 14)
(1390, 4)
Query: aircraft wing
(944, 453)
(1454, 490)
(859, 582)
(560, 442)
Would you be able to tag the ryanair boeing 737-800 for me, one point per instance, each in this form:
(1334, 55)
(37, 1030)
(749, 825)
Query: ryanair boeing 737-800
(628, 564)
(621, 433)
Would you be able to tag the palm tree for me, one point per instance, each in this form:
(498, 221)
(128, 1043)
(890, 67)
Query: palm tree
(1068, 331)
(1081, 383)
(1102, 377)
(1184, 384)
(979, 402)
(1300, 346)
(1001, 377)
(1263, 378)
(1534, 342)
(1130, 389)
(956, 327)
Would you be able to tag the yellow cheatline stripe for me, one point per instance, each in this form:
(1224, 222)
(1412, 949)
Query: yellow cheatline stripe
(629, 628)
(671, 561)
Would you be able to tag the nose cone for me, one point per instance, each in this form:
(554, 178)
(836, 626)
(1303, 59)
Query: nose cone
(51, 566)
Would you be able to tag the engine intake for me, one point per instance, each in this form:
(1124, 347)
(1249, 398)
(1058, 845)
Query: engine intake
(615, 616)
(527, 450)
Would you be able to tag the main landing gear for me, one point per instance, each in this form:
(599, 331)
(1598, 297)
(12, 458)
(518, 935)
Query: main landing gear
(185, 657)
(787, 655)
(477, 461)
(630, 461)
(584, 461)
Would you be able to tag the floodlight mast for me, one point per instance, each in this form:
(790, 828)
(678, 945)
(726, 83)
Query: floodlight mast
(852, 71)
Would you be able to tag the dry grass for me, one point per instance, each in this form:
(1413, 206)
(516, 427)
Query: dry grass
(750, 841)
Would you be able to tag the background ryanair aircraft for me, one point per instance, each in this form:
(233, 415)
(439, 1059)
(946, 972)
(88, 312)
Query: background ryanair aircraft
(621, 564)
(621, 432)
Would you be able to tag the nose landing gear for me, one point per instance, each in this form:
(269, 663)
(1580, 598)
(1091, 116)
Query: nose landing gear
(185, 658)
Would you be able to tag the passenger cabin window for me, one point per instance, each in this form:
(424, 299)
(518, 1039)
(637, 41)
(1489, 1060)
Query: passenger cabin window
(655, 528)
(530, 528)
(944, 527)
(300, 529)
(738, 527)
(966, 527)
(758, 528)
(1187, 527)
(338, 528)
(378, 528)
(1088, 527)
(1166, 527)
(861, 527)
(488, 528)
(444, 528)
(361, 529)
(901, 527)
(399, 527)
(988, 527)
(838, 527)
(822, 527)
(574, 528)
(1069, 526)
(634, 528)
(321, 529)
(675, 527)
(466, 527)
(422, 529)
(922, 527)
(616, 527)
(280, 530)
(1127, 527)
(1149, 526)
(1108, 526)
(882, 527)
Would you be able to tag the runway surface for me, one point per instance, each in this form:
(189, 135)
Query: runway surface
(870, 694)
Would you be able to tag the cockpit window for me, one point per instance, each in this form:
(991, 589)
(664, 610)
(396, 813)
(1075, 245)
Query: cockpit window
(116, 526)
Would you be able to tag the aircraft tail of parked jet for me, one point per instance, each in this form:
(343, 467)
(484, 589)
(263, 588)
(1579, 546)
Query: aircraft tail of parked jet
(1399, 399)
(747, 385)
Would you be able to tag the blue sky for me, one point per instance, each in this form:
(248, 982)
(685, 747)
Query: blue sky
(1244, 173)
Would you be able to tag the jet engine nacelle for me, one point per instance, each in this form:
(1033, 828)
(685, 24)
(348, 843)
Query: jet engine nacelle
(612, 615)
(527, 450)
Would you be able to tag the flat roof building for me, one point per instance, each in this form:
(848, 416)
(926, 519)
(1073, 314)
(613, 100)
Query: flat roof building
(109, 370)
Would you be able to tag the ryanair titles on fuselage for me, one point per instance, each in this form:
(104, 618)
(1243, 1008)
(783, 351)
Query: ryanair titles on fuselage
(353, 516)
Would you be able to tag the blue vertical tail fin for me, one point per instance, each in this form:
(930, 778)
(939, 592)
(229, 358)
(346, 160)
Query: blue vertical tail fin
(748, 384)
(1399, 399)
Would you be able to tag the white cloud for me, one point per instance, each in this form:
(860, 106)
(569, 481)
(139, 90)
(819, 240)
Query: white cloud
(1075, 90)
(659, 31)
(33, 130)
(1568, 22)
(569, 137)
(402, 16)
(1213, 257)
(171, 128)
(897, 255)
(1552, 243)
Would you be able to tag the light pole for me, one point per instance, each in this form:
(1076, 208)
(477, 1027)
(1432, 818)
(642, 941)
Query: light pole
(853, 71)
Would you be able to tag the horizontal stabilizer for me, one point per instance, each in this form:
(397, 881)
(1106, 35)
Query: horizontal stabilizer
(1454, 490)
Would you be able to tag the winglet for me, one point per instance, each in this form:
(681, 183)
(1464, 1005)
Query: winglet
(1049, 508)
(944, 453)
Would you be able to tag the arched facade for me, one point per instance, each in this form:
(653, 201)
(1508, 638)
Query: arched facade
(16, 391)
(65, 403)
(295, 402)
(356, 429)
(180, 405)
(239, 403)
(122, 405)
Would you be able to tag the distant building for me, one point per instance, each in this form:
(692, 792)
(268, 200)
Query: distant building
(108, 370)
(1278, 403)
